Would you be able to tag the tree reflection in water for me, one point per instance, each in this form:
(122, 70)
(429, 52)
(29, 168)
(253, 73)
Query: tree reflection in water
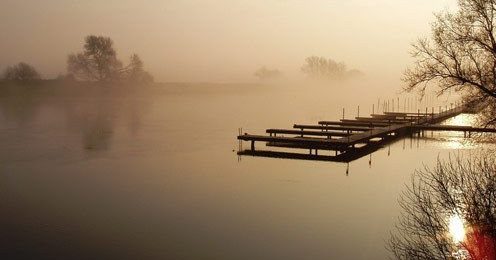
(449, 211)
(91, 111)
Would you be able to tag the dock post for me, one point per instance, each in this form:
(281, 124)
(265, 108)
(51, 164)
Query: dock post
(253, 145)
(343, 112)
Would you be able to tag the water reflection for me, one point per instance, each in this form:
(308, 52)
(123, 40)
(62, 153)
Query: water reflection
(331, 156)
(456, 228)
(457, 143)
(97, 132)
(19, 105)
(462, 120)
(90, 111)
(449, 211)
(144, 202)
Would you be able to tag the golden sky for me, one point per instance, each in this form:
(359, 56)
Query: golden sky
(219, 40)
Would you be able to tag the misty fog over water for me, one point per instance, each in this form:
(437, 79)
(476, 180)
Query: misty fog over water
(220, 41)
(152, 173)
(119, 126)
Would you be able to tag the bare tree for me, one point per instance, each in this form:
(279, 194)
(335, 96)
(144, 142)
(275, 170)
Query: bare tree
(134, 72)
(323, 68)
(449, 212)
(267, 74)
(98, 61)
(21, 72)
(461, 54)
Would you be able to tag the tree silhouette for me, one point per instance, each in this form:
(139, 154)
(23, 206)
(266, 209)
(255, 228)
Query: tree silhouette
(134, 72)
(98, 62)
(449, 212)
(266, 74)
(21, 72)
(461, 54)
(323, 68)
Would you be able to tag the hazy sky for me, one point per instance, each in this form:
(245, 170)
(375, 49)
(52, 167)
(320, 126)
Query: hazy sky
(218, 40)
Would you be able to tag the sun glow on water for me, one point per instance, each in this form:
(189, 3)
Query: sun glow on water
(456, 228)
(461, 120)
(458, 140)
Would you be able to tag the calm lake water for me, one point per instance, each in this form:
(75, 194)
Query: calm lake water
(153, 174)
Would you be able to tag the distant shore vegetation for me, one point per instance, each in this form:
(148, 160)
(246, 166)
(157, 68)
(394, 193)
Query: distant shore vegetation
(97, 63)
(21, 72)
(328, 69)
(266, 74)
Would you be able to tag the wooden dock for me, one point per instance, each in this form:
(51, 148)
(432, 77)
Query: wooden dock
(351, 139)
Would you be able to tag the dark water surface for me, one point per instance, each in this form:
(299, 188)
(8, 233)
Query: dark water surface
(153, 174)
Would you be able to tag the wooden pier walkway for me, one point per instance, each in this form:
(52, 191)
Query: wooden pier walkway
(349, 138)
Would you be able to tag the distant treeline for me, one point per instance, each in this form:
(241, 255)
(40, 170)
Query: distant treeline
(97, 62)
(315, 67)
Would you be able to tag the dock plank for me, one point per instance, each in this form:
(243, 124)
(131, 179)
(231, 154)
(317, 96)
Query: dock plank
(352, 123)
(305, 133)
(355, 133)
(342, 128)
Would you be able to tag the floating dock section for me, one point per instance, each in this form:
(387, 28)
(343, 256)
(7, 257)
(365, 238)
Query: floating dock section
(350, 139)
